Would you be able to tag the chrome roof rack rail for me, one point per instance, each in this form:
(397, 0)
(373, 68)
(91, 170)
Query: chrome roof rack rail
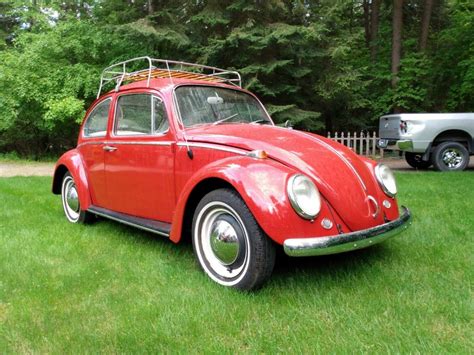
(163, 68)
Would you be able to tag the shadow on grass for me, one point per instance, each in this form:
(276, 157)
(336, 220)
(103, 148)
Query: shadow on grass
(343, 266)
(350, 262)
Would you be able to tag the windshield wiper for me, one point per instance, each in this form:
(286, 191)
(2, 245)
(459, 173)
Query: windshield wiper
(261, 120)
(225, 119)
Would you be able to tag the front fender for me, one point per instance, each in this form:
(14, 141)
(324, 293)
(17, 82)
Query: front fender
(72, 161)
(262, 185)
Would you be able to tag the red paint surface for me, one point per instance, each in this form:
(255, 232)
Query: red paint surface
(152, 177)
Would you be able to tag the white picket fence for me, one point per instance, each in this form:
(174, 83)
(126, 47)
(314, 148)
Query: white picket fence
(362, 143)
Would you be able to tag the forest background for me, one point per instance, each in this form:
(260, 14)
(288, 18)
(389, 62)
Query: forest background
(324, 65)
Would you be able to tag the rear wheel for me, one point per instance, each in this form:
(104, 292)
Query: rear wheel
(450, 156)
(228, 243)
(71, 203)
(415, 160)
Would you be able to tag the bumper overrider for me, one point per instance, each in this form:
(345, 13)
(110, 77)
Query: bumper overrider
(348, 241)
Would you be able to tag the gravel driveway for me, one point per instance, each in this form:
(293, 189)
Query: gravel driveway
(46, 169)
(26, 169)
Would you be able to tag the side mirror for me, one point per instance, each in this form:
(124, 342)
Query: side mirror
(288, 124)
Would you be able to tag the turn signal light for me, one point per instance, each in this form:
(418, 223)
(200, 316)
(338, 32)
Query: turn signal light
(259, 154)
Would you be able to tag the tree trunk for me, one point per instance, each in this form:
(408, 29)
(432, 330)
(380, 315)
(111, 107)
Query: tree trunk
(374, 28)
(150, 7)
(397, 24)
(365, 6)
(425, 24)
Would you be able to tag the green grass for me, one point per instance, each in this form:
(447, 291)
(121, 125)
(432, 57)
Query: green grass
(13, 157)
(110, 288)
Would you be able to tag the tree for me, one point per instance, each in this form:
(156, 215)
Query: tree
(397, 24)
(374, 28)
(425, 24)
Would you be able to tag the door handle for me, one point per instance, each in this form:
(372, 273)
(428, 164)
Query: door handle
(109, 148)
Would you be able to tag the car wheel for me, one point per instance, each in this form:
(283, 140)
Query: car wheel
(450, 156)
(71, 203)
(415, 160)
(228, 243)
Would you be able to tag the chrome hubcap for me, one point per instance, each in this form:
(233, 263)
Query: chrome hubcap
(224, 242)
(71, 197)
(452, 158)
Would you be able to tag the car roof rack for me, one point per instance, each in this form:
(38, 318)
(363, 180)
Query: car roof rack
(163, 68)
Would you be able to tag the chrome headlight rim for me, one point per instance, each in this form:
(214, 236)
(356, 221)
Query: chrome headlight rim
(292, 196)
(381, 181)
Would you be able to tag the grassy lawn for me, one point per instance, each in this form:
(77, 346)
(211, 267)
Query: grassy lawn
(107, 287)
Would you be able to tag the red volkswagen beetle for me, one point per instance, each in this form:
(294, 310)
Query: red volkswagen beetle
(181, 149)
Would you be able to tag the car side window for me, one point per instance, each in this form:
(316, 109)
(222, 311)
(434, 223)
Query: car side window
(96, 123)
(160, 119)
(133, 115)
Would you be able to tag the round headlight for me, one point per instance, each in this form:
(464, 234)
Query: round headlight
(386, 179)
(304, 196)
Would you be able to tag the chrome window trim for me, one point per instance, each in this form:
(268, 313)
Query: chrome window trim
(213, 146)
(109, 98)
(152, 97)
(161, 143)
(178, 112)
(165, 143)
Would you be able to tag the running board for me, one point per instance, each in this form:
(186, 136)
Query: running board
(149, 225)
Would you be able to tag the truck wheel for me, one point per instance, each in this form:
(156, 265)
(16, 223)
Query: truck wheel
(71, 203)
(415, 161)
(228, 243)
(450, 156)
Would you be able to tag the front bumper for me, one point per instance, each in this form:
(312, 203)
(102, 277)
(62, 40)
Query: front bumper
(348, 241)
(394, 144)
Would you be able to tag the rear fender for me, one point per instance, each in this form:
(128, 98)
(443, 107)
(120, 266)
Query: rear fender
(72, 161)
(262, 185)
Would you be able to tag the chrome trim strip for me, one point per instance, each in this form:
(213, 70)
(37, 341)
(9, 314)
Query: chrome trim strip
(348, 241)
(165, 143)
(162, 143)
(129, 223)
(213, 146)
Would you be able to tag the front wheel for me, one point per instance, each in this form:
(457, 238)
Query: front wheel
(228, 243)
(415, 160)
(450, 156)
(71, 203)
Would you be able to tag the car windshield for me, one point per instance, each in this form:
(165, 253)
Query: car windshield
(213, 105)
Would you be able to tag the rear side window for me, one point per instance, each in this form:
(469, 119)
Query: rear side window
(96, 123)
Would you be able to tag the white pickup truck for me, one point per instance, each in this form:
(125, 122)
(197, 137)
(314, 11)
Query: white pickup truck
(445, 140)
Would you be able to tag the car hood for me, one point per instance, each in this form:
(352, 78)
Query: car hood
(341, 176)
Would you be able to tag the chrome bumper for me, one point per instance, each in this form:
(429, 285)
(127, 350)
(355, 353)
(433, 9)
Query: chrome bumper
(395, 144)
(349, 241)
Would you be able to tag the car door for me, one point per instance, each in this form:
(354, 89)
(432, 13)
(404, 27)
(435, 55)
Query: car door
(139, 158)
(91, 143)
